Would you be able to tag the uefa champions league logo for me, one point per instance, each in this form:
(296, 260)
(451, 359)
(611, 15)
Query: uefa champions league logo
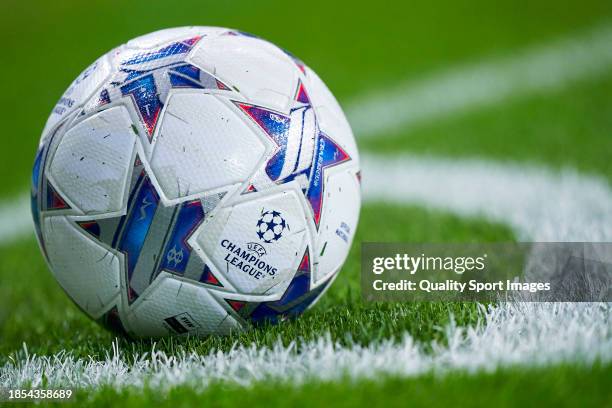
(270, 226)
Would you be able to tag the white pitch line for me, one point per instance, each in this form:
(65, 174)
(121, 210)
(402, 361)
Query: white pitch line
(460, 89)
(530, 334)
(15, 219)
(538, 203)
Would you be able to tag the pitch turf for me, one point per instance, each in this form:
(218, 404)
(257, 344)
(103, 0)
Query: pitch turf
(356, 50)
(564, 386)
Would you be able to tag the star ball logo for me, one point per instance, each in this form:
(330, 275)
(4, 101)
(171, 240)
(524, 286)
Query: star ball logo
(270, 226)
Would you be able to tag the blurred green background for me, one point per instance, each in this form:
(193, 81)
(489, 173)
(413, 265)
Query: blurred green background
(356, 47)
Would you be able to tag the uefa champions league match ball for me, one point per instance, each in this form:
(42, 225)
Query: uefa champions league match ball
(195, 181)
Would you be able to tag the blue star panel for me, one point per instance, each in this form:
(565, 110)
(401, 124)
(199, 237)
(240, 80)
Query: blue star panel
(276, 126)
(140, 83)
(177, 252)
(327, 152)
(128, 233)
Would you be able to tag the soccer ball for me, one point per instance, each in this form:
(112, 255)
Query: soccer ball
(195, 181)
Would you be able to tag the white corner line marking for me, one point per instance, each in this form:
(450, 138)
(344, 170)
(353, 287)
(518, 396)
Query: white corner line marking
(538, 203)
(465, 88)
(15, 219)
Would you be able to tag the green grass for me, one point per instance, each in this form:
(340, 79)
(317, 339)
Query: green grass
(34, 310)
(563, 386)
